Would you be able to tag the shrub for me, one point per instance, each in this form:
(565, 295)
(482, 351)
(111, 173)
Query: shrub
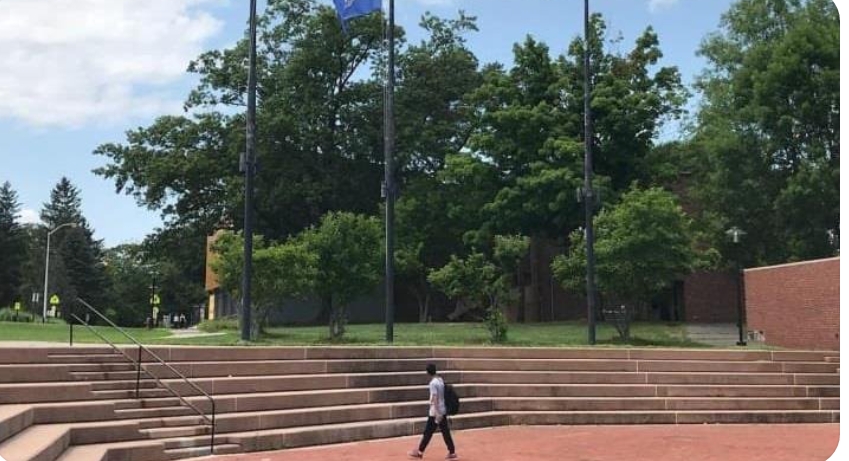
(496, 323)
(8, 315)
(222, 324)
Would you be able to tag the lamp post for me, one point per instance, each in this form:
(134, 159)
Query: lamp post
(589, 197)
(389, 174)
(249, 167)
(47, 267)
(736, 234)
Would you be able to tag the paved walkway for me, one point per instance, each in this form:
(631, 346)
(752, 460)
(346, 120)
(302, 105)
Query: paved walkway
(713, 334)
(774, 442)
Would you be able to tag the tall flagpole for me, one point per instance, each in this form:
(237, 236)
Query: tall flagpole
(248, 165)
(589, 196)
(389, 183)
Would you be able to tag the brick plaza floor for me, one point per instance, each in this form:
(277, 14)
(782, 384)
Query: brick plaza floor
(767, 442)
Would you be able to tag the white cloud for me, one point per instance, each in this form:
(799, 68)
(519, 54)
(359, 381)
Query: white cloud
(657, 5)
(27, 216)
(71, 62)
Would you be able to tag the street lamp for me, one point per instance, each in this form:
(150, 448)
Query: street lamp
(736, 234)
(47, 266)
(590, 199)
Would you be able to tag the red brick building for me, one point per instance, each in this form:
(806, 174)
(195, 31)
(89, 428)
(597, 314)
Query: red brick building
(795, 305)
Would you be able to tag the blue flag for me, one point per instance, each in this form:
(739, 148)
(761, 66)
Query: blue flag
(350, 9)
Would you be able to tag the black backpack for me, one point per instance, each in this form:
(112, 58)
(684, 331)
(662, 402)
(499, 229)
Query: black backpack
(452, 400)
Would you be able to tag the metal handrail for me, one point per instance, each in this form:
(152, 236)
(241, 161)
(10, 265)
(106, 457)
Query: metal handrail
(139, 368)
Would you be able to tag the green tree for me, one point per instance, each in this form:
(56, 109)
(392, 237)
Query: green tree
(429, 225)
(129, 285)
(434, 119)
(348, 250)
(527, 146)
(175, 256)
(767, 137)
(531, 128)
(470, 281)
(77, 268)
(281, 271)
(319, 139)
(642, 244)
(481, 285)
(12, 246)
(320, 153)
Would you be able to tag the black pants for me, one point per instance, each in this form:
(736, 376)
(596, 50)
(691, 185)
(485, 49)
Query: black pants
(430, 428)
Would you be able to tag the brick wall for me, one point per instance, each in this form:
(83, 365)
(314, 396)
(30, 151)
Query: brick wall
(795, 305)
(711, 297)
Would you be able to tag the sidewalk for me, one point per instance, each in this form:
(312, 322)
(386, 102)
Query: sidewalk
(773, 442)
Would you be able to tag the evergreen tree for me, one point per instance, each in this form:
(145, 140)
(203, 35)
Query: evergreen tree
(12, 246)
(76, 268)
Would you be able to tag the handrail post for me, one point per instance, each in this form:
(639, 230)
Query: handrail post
(71, 325)
(212, 437)
(153, 358)
(138, 372)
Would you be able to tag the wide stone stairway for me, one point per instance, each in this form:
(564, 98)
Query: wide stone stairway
(81, 403)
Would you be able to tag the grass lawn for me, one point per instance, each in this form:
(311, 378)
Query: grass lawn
(58, 332)
(566, 334)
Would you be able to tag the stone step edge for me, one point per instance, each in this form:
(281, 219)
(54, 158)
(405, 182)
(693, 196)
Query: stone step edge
(440, 360)
(402, 373)
(236, 436)
(47, 406)
(138, 422)
(50, 441)
(262, 395)
(14, 419)
(494, 419)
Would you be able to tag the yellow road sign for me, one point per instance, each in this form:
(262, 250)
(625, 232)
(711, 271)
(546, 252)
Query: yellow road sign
(54, 300)
(17, 306)
(155, 300)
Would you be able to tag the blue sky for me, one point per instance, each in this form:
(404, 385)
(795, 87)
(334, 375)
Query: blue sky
(86, 71)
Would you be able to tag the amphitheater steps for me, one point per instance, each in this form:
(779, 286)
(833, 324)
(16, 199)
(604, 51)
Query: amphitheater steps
(82, 400)
(36, 443)
(156, 412)
(14, 419)
(292, 437)
(130, 404)
(176, 431)
(144, 451)
(193, 452)
(144, 382)
(77, 358)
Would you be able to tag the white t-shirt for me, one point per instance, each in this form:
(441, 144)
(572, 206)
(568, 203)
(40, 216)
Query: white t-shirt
(437, 388)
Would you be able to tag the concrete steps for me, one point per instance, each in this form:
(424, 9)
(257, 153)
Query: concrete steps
(144, 382)
(269, 419)
(147, 403)
(36, 443)
(14, 419)
(192, 452)
(175, 431)
(145, 393)
(112, 357)
(81, 402)
(161, 412)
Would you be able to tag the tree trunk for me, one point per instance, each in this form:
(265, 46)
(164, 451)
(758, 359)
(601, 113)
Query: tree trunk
(323, 316)
(423, 300)
(534, 300)
(337, 320)
(258, 322)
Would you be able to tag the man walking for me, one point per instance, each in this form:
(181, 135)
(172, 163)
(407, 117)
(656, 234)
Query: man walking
(437, 416)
